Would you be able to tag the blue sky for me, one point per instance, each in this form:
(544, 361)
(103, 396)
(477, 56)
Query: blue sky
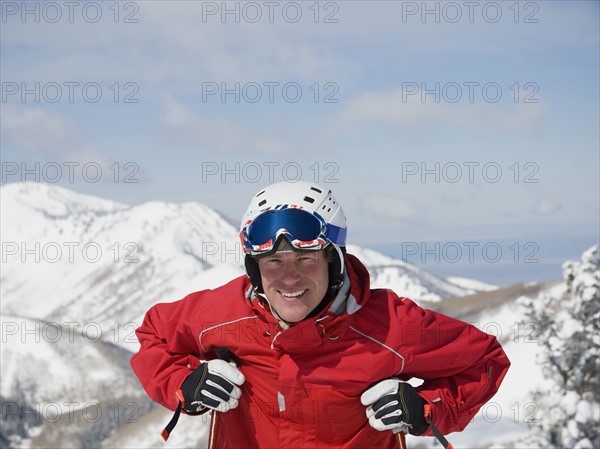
(475, 123)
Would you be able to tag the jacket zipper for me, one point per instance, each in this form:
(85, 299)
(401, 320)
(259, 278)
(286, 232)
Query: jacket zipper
(473, 396)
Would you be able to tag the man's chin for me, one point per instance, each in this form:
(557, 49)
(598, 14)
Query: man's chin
(292, 316)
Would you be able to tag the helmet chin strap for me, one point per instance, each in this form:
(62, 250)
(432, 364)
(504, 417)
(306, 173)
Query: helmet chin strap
(283, 323)
(339, 277)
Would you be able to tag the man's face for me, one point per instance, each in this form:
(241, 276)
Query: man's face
(294, 283)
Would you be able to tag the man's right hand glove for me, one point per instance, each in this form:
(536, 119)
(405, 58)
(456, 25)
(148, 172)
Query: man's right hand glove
(215, 385)
(393, 404)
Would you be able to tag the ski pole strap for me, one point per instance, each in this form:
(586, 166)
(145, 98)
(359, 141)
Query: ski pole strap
(439, 435)
(166, 432)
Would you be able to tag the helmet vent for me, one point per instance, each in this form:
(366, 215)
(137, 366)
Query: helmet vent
(262, 202)
(316, 190)
(308, 199)
(260, 193)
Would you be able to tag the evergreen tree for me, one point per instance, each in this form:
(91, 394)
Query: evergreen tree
(569, 327)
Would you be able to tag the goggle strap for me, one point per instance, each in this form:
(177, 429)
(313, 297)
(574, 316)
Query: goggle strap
(336, 234)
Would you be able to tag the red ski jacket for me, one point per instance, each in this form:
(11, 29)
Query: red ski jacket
(303, 384)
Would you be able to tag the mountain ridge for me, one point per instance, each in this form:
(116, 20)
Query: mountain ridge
(99, 260)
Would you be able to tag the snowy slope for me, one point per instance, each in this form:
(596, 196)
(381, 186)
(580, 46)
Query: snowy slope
(66, 383)
(504, 422)
(411, 281)
(471, 284)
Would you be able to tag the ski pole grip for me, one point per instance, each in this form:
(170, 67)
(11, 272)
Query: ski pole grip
(223, 353)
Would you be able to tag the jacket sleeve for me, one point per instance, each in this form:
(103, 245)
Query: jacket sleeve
(461, 366)
(169, 350)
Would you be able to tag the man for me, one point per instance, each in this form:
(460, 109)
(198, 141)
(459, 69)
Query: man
(314, 357)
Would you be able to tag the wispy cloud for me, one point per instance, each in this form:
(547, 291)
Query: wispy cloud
(170, 42)
(546, 207)
(404, 107)
(393, 209)
(220, 134)
(46, 133)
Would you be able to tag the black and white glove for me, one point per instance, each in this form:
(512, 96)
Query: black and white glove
(393, 404)
(214, 385)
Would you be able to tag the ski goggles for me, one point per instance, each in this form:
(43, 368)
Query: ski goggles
(303, 229)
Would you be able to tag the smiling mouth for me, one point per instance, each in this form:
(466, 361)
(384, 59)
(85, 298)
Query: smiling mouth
(292, 295)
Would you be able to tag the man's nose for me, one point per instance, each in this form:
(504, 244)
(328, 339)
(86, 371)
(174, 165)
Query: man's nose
(289, 273)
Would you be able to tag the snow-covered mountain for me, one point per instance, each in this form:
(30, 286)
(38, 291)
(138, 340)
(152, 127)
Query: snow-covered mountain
(73, 257)
(77, 275)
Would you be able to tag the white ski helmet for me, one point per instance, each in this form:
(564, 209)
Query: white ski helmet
(294, 211)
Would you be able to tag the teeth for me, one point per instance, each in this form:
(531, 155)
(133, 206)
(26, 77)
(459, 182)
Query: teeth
(292, 295)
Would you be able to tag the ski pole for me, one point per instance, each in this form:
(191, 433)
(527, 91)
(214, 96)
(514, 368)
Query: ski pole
(402, 440)
(223, 354)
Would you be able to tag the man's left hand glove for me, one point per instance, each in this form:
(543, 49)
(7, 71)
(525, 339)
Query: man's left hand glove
(393, 404)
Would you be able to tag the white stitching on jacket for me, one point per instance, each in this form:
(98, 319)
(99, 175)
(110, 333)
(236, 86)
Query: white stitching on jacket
(382, 344)
(222, 324)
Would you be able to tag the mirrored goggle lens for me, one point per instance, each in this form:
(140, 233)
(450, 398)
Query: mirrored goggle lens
(301, 225)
